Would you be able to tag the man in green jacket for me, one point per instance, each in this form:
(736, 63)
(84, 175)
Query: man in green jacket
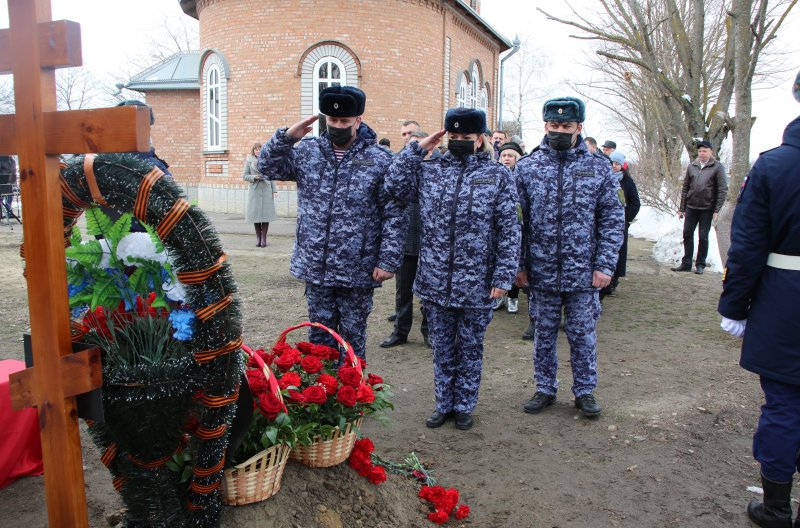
(704, 189)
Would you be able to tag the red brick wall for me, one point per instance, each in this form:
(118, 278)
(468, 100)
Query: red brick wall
(177, 132)
(399, 43)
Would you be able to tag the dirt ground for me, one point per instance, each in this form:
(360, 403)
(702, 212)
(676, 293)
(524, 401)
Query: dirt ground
(671, 449)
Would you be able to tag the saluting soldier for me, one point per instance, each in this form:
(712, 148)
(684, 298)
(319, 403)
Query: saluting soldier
(349, 230)
(469, 251)
(760, 297)
(573, 222)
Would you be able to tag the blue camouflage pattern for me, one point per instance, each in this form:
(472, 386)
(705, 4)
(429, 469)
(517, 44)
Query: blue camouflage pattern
(582, 310)
(347, 224)
(573, 219)
(470, 229)
(456, 336)
(344, 310)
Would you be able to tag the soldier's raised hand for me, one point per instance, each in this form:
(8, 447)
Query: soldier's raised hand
(301, 128)
(430, 142)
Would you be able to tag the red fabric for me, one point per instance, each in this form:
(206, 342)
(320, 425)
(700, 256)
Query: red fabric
(20, 445)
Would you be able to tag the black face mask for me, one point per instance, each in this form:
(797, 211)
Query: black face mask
(340, 136)
(461, 147)
(559, 140)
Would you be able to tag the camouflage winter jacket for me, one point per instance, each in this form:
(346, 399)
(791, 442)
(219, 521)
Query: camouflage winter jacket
(573, 217)
(470, 232)
(346, 223)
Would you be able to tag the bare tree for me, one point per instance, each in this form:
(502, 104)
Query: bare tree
(523, 87)
(689, 56)
(755, 26)
(6, 95)
(76, 88)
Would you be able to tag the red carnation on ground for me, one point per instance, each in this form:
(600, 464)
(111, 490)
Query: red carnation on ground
(377, 474)
(364, 444)
(439, 517)
(462, 512)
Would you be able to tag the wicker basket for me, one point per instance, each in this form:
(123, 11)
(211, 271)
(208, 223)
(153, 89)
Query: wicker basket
(326, 453)
(259, 477)
(335, 450)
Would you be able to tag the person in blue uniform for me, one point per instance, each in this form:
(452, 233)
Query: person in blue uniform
(349, 230)
(759, 302)
(469, 251)
(573, 222)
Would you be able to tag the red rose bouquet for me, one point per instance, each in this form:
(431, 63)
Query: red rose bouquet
(319, 396)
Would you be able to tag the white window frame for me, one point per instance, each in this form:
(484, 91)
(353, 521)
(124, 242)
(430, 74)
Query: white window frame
(330, 81)
(213, 108)
(463, 96)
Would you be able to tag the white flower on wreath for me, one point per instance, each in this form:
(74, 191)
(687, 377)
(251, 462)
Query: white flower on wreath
(175, 291)
(139, 245)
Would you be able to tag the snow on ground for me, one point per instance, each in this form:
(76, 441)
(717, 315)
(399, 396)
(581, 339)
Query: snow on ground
(667, 232)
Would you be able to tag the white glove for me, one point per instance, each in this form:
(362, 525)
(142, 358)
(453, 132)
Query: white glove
(734, 328)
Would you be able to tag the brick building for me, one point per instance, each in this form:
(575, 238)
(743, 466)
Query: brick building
(262, 65)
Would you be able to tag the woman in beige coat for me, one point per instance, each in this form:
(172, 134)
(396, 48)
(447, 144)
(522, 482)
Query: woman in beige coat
(260, 209)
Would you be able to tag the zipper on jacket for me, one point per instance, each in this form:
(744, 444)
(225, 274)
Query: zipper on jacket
(559, 217)
(453, 234)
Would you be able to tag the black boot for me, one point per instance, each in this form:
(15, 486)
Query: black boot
(258, 234)
(264, 229)
(682, 267)
(776, 510)
(529, 333)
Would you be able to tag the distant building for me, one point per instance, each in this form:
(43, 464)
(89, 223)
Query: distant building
(263, 64)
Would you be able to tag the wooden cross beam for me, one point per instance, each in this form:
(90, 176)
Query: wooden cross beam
(31, 48)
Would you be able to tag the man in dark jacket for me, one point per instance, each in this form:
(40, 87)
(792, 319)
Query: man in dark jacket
(349, 230)
(404, 294)
(704, 189)
(761, 293)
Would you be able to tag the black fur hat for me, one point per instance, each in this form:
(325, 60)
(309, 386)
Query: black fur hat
(342, 101)
(510, 146)
(564, 109)
(465, 121)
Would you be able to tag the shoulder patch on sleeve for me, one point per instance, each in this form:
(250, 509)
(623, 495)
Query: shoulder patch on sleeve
(741, 191)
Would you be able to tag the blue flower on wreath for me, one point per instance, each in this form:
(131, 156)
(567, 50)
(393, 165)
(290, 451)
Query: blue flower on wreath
(182, 320)
(74, 289)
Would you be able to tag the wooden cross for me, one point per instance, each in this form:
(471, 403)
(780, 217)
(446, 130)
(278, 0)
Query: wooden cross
(31, 49)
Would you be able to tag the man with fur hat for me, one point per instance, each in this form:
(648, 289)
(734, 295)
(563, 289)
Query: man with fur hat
(573, 222)
(760, 295)
(469, 251)
(705, 187)
(349, 230)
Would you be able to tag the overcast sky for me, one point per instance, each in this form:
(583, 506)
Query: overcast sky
(114, 31)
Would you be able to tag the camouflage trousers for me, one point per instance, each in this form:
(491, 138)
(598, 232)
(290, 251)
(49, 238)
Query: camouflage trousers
(582, 309)
(344, 310)
(456, 336)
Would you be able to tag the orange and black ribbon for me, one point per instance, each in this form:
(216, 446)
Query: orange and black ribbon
(220, 401)
(88, 171)
(172, 217)
(143, 196)
(204, 356)
(205, 489)
(204, 314)
(207, 472)
(196, 277)
(119, 482)
(109, 455)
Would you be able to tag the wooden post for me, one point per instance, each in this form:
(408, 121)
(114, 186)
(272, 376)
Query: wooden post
(32, 48)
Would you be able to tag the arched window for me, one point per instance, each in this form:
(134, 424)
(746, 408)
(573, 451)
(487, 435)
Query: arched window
(213, 108)
(328, 71)
(323, 65)
(463, 92)
(214, 95)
